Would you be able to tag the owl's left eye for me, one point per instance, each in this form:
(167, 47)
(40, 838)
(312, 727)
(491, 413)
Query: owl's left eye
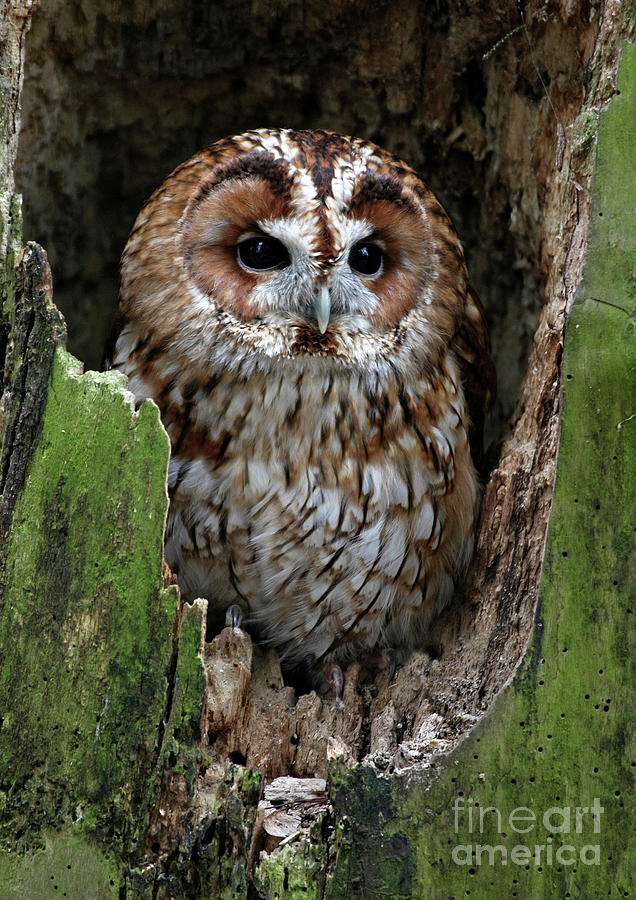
(261, 253)
(366, 258)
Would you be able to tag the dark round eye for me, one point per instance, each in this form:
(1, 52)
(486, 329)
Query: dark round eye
(258, 254)
(366, 258)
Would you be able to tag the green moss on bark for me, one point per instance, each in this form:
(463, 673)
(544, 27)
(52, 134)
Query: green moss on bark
(86, 630)
(65, 865)
(295, 872)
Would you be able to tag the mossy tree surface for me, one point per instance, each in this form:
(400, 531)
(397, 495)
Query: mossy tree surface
(95, 694)
(71, 590)
(90, 637)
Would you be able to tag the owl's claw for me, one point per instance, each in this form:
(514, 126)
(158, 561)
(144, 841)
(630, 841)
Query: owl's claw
(234, 616)
(384, 661)
(336, 683)
(388, 662)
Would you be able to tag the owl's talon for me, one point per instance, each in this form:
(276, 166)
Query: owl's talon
(234, 617)
(383, 661)
(389, 662)
(336, 683)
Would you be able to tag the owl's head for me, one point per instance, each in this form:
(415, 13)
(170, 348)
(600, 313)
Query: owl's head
(295, 244)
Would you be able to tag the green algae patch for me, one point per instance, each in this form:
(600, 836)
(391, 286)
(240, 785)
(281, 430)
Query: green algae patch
(296, 871)
(189, 682)
(65, 865)
(374, 857)
(85, 628)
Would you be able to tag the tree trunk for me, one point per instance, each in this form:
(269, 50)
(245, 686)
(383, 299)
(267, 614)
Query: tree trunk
(137, 760)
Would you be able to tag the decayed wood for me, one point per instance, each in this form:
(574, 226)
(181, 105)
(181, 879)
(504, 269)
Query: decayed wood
(251, 716)
(286, 803)
(383, 721)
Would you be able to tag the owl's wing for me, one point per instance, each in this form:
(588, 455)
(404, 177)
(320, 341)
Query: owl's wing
(471, 345)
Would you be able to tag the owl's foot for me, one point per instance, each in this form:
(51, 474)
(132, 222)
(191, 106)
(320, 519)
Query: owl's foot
(335, 679)
(234, 616)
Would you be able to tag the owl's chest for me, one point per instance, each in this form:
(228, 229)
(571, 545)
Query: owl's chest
(315, 487)
(281, 446)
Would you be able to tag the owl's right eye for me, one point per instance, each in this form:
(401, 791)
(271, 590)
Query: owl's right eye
(261, 253)
(366, 258)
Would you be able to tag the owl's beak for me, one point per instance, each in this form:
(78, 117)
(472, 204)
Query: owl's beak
(322, 308)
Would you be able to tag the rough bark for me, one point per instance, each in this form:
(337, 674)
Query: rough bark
(139, 761)
(38, 330)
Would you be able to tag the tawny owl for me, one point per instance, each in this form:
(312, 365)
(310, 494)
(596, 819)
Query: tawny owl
(296, 303)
